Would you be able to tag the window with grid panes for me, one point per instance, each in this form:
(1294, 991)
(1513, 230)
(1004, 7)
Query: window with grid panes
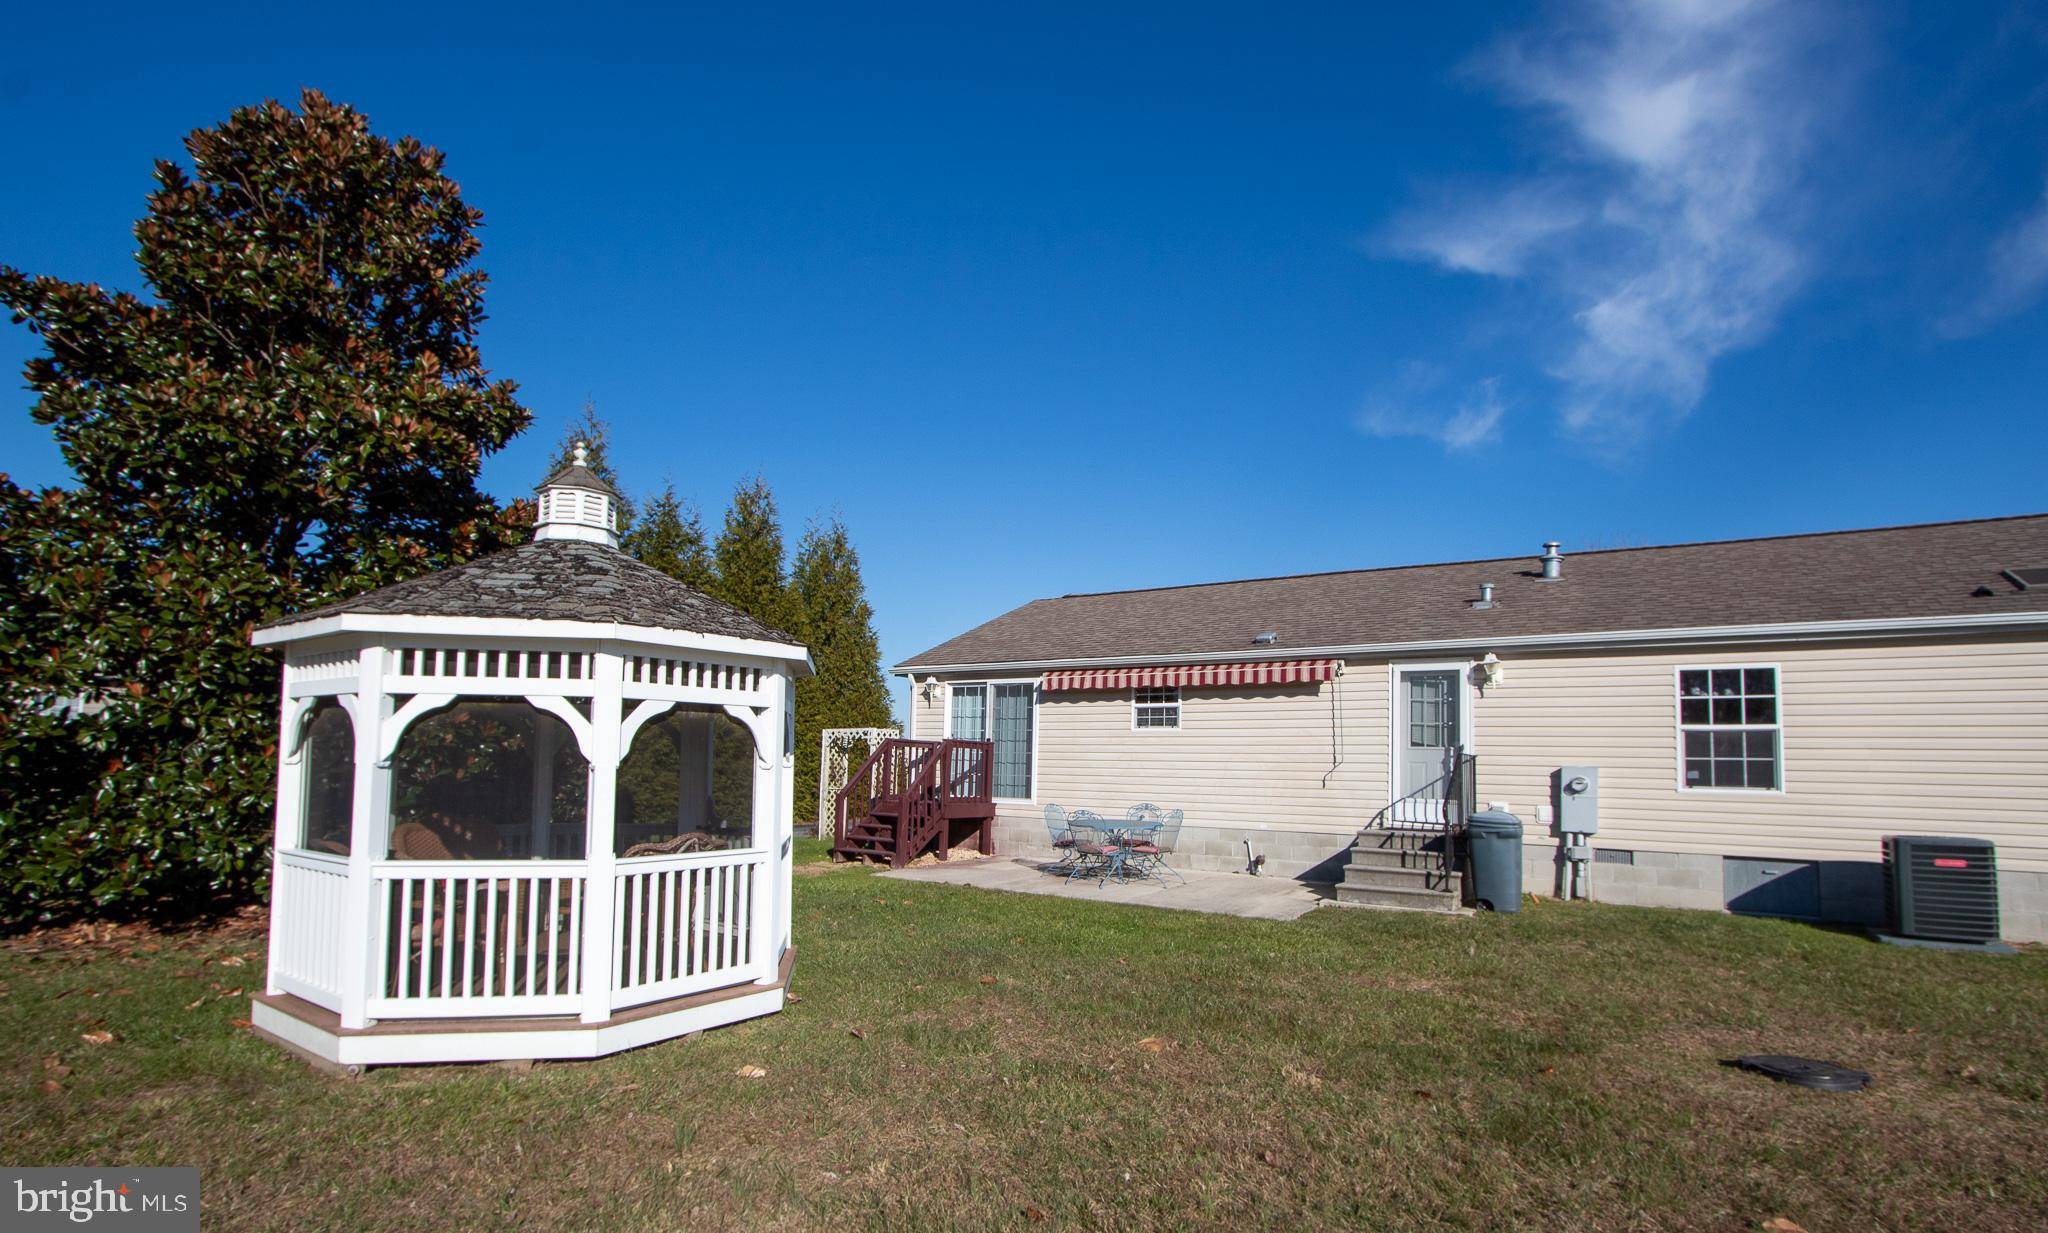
(1155, 708)
(1728, 727)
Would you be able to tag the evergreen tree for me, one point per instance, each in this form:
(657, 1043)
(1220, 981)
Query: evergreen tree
(748, 558)
(296, 411)
(594, 433)
(669, 535)
(835, 620)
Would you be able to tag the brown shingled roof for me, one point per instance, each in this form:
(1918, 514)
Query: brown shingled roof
(1930, 570)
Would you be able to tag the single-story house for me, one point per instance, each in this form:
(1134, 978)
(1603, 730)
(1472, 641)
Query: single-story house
(1759, 712)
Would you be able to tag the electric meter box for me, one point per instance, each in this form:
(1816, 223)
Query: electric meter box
(1575, 799)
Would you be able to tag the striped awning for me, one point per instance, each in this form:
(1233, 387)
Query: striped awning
(1195, 676)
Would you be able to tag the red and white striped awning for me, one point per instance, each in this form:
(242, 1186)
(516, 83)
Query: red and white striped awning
(1194, 676)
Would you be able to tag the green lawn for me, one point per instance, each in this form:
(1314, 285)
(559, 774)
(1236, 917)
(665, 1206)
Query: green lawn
(964, 1059)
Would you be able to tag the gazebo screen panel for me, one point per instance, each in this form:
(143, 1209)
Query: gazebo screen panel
(488, 780)
(329, 780)
(687, 785)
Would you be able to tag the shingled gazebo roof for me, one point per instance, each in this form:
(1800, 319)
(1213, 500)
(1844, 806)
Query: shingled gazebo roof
(554, 580)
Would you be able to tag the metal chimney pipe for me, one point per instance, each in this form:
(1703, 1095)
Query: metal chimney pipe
(1553, 562)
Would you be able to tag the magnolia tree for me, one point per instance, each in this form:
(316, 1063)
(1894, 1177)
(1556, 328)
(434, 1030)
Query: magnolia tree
(294, 409)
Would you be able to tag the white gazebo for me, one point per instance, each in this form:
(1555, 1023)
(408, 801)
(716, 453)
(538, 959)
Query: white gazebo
(535, 806)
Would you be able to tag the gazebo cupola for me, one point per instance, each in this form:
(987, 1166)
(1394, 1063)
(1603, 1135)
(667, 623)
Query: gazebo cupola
(576, 503)
(533, 806)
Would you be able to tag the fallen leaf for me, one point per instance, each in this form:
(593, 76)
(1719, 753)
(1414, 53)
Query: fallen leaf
(793, 998)
(1034, 1214)
(1152, 1044)
(232, 993)
(988, 980)
(1782, 1224)
(857, 1033)
(195, 1003)
(1550, 1070)
(1271, 1157)
(97, 1038)
(1423, 1093)
(50, 1085)
(229, 961)
(751, 1071)
(241, 1023)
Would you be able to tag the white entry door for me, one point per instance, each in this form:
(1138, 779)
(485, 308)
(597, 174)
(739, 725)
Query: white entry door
(1428, 730)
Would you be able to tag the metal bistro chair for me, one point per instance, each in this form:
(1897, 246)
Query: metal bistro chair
(1145, 815)
(1150, 850)
(1096, 851)
(1061, 834)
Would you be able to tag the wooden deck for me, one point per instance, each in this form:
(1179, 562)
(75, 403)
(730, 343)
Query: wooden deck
(910, 797)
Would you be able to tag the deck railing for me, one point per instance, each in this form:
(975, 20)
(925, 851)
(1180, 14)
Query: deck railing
(681, 924)
(948, 772)
(470, 937)
(309, 892)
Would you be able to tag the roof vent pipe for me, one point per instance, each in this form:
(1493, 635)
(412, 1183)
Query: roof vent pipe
(1485, 599)
(1553, 562)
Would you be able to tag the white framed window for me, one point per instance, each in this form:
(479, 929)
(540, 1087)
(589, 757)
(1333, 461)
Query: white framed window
(1004, 713)
(1155, 707)
(1730, 730)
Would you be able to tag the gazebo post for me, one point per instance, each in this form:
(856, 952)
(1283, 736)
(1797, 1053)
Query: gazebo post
(770, 808)
(371, 799)
(291, 809)
(784, 866)
(540, 805)
(600, 824)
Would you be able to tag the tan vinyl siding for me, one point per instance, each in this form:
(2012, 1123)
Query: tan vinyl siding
(1915, 737)
(1879, 737)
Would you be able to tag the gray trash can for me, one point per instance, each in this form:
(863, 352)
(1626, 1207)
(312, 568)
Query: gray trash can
(1494, 839)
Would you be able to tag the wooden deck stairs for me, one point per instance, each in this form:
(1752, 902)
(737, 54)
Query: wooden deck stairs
(912, 797)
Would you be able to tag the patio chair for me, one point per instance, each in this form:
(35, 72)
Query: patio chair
(1144, 813)
(1061, 834)
(1149, 851)
(1095, 849)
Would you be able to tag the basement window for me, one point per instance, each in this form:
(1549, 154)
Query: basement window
(1155, 708)
(1728, 728)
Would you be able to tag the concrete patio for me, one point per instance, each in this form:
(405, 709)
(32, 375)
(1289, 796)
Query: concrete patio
(1228, 894)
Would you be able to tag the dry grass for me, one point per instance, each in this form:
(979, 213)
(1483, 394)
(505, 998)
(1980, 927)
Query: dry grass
(1125, 1068)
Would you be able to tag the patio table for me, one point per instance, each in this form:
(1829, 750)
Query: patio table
(1116, 837)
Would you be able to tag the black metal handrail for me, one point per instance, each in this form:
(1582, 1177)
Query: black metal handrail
(1451, 797)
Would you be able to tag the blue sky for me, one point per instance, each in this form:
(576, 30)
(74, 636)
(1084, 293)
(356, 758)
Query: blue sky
(1061, 299)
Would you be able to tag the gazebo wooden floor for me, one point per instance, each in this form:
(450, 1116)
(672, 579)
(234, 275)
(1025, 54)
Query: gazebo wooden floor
(629, 1026)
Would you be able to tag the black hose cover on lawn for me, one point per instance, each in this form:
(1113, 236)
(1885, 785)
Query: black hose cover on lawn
(1806, 1072)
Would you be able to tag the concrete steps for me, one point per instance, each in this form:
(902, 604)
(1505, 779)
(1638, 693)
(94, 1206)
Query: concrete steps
(1390, 872)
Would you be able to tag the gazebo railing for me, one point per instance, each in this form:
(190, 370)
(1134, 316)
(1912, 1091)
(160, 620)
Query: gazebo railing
(310, 909)
(467, 937)
(682, 924)
(506, 937)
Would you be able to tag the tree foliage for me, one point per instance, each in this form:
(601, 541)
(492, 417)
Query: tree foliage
(836, 622)
(594, 433)
(295, 410)
(669, 535)
(748, 558)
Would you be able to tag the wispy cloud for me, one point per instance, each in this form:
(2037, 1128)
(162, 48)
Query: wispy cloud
(2015, 270)
(1664, 218)
(1420, 404)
